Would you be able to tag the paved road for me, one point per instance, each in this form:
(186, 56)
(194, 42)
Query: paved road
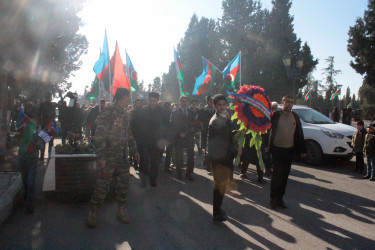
(330, 207)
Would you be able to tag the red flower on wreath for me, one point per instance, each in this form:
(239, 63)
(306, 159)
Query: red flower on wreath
(255, 114)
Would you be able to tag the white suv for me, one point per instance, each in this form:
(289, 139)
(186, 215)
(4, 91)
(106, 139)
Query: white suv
(323, 137)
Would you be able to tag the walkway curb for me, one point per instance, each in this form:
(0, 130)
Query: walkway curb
(10, 188)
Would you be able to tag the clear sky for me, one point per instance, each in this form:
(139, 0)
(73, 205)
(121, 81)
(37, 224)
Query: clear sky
(149, 29)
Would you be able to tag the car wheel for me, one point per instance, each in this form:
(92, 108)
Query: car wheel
(314, 153)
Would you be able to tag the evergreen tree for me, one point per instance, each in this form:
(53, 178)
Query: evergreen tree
(280, 40)
(40, 49)
(361, 44)
(355, 102)
(156, 85)
(170, 88)
(347, 98)
(367, 96)
(241, 28)
(201, 39)
(330, 74)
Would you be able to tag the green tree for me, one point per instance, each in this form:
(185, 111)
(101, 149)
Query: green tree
(156, 85)
(367, 96)
(170, 88)
(201, 39)
(241, 28)
(331, 85)
(347, 98)
(281, 39)
(40, 49)
(361, 44)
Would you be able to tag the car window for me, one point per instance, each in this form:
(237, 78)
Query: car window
(312, 116)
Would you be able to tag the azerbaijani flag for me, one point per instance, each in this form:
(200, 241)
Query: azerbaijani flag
(94, 92)
(231, 73)
(119, 76)
(103, 61)
(203, 81)
(308, 95)
(131, 73)
(180, 76)
(337, 93)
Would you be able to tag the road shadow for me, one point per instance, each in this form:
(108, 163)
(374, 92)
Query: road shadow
(308, 203)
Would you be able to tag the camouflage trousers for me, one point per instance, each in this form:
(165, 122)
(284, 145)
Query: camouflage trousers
(119, 171)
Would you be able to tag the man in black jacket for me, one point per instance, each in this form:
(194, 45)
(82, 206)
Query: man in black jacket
(152, 124)
(286, 140)
(183, 124)
(204, 116)
(93, 114)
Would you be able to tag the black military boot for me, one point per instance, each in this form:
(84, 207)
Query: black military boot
(91, 220)
(121, 214)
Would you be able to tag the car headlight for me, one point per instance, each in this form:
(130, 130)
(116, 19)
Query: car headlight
(332, 134)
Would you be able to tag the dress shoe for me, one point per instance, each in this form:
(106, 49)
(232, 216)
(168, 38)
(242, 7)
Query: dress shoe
(366, 177)
(282, 204)
(268, 173)
(222, 216)
(273, 204)
(219, 218)
(189, 177)
(261, 181)
(243, 176)
(372, 179)
(168, 171)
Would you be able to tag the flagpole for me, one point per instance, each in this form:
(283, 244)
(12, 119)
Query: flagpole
(109, 75)
(179, 81)
(240, 69)
(100, 82)
(129, 77)
(213, 65)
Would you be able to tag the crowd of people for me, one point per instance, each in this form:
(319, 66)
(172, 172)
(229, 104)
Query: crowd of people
(144, 132)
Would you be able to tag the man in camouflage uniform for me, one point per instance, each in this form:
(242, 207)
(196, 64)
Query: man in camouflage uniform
(113, 137)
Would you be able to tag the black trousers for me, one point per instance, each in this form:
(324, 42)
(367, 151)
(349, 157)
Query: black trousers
(179, 146)
(359, 162)
(282, 162)
(168, 156)
(222, 174)
(245, 165)
(149, 163)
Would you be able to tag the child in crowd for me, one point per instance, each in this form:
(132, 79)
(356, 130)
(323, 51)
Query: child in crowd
(358, 142)
(369, 151)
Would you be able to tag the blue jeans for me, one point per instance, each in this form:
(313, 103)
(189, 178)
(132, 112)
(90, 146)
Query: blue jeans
(370, 166)
(28, 166)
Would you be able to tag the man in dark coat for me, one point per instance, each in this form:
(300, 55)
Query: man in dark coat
(93, 114)
(153, 124)
(183, 125)
(169, 147)
(221, 152)
(204, 116)
(335, 115)
(286, 140)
